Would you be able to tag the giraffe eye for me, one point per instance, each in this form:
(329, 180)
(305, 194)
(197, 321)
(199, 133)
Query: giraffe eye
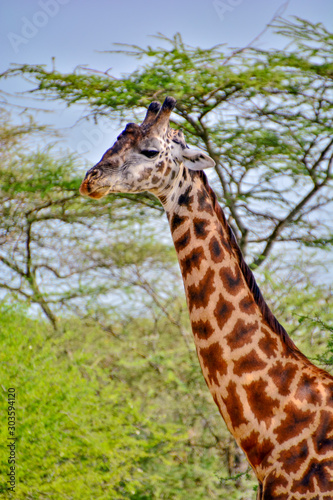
(149, 153)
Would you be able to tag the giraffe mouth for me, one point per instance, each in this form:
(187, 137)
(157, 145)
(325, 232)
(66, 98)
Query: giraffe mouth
(95, 192)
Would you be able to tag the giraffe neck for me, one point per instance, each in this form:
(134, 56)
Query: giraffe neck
(238, 340)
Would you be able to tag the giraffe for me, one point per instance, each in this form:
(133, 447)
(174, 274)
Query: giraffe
(275, 402)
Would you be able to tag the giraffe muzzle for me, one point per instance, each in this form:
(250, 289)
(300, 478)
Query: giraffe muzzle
(91, 185)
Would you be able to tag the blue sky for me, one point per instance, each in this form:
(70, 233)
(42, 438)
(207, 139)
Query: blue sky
(73, 31)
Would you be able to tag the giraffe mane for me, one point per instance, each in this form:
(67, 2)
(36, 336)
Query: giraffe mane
(251, 281)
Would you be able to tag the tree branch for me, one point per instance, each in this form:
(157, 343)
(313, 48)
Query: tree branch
(282, 224)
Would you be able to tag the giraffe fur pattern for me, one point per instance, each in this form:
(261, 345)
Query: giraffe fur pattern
(275, 402)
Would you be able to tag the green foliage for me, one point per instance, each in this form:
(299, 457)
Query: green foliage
(85, 427)
(264, 116)
(326, 357)
(293, 296)
(77, 429)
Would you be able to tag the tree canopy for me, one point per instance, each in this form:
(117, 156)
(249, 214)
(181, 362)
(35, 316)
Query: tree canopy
(264, 116)
(58, 250)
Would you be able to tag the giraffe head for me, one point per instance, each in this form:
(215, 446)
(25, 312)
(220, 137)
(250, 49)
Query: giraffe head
(146, 157)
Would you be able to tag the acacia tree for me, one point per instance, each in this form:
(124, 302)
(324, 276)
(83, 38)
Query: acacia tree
(264, 116)
(56, 249)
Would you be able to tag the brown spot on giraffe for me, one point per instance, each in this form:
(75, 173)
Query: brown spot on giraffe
(329, 395)
(204, 203)
(145, 174)
(200, 227)
(213, 361)
(294, 457)
(323, 439)
(247, 305)
(248, 364)
(241, 334)
(272, 486)
(216, 251)
(268, 343)
(223, 311)
(177, 221)
(294, 423)
(261, 404)
(256, 450)
(199, 295)
(192, 260)
(317, 473)
(183, 241)
(231, 280)
(168, 170)
(234, 406)
(160, 166)
(155, 179)
(185, 199)
(224, 240)
(307, 389)
(202, 329)
(283, 375)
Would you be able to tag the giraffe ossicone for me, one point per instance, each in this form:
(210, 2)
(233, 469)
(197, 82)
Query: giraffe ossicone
(275, 402)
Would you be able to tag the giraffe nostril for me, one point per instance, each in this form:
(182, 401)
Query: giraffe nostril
(95, 173)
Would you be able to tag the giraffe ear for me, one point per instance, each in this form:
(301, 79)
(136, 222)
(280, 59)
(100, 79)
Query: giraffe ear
(195, 159)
